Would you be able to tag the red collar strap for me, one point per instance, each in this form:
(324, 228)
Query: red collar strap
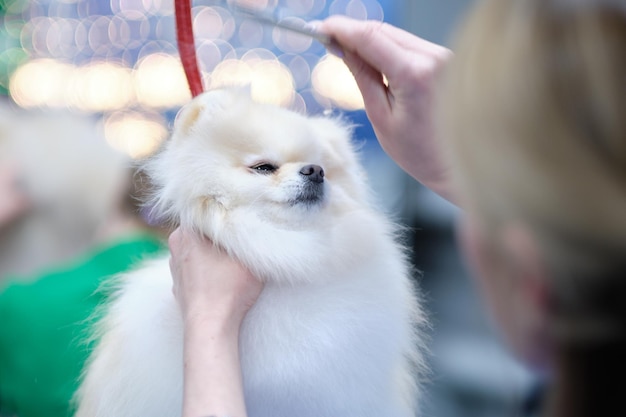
(186, 45)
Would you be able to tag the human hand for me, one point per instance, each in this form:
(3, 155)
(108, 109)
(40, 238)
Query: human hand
(214, 293)
(210, 286)
(13, 201)
(402, 108)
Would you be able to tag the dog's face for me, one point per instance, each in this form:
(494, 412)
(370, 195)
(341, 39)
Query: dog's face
(245, 173)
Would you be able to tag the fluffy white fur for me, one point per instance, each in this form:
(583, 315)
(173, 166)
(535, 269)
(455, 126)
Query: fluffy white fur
(335, 331)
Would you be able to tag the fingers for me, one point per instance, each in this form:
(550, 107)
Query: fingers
(183, 242)
(175, 241)
(197, 263)
(373, 50)
(365, 40)
(382, 46)
(371, 85)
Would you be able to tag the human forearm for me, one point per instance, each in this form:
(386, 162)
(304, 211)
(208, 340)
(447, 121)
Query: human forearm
(214, 293)
(212, 372)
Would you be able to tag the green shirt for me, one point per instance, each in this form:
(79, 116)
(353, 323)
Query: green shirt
(43, 323)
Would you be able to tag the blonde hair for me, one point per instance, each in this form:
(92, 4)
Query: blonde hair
(534, 123)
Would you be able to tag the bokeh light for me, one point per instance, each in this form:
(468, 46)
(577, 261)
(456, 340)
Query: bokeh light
(305, 7)
(288, 41)
(10, 58)
(98, 36)
(299, 67)
(207, 23)
(251, 33)
(160, 81)
(41, 83)
(357, 9)
(101, 86)
(118, 59)
(211, 53)
(136, 134)
(132, 9)
(269, 80)
(332, 79)
(255, 4)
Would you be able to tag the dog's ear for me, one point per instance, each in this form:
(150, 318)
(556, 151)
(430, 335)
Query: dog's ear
(209, 105)
(188, 116)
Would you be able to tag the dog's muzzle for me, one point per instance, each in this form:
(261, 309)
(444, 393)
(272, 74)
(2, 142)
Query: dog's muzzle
(313, 173)
(312, 190)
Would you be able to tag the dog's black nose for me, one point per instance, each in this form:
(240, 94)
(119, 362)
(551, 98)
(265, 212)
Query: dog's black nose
(313, 173)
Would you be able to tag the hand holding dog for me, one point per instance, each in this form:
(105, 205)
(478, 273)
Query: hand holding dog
(401, 108)
(208, 284)
(214, 293)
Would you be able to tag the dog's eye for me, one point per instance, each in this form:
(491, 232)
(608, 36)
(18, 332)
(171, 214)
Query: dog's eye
(265, 168)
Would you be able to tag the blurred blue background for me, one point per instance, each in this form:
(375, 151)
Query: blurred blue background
(117, 62)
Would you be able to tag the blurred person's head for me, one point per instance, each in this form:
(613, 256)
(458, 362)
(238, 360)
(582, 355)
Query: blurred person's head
(533, 116)
(74, 182)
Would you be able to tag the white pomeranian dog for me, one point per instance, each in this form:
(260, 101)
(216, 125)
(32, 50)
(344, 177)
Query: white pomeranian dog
(337, 330)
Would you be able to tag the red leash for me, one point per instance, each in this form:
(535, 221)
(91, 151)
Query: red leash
(186, 45)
